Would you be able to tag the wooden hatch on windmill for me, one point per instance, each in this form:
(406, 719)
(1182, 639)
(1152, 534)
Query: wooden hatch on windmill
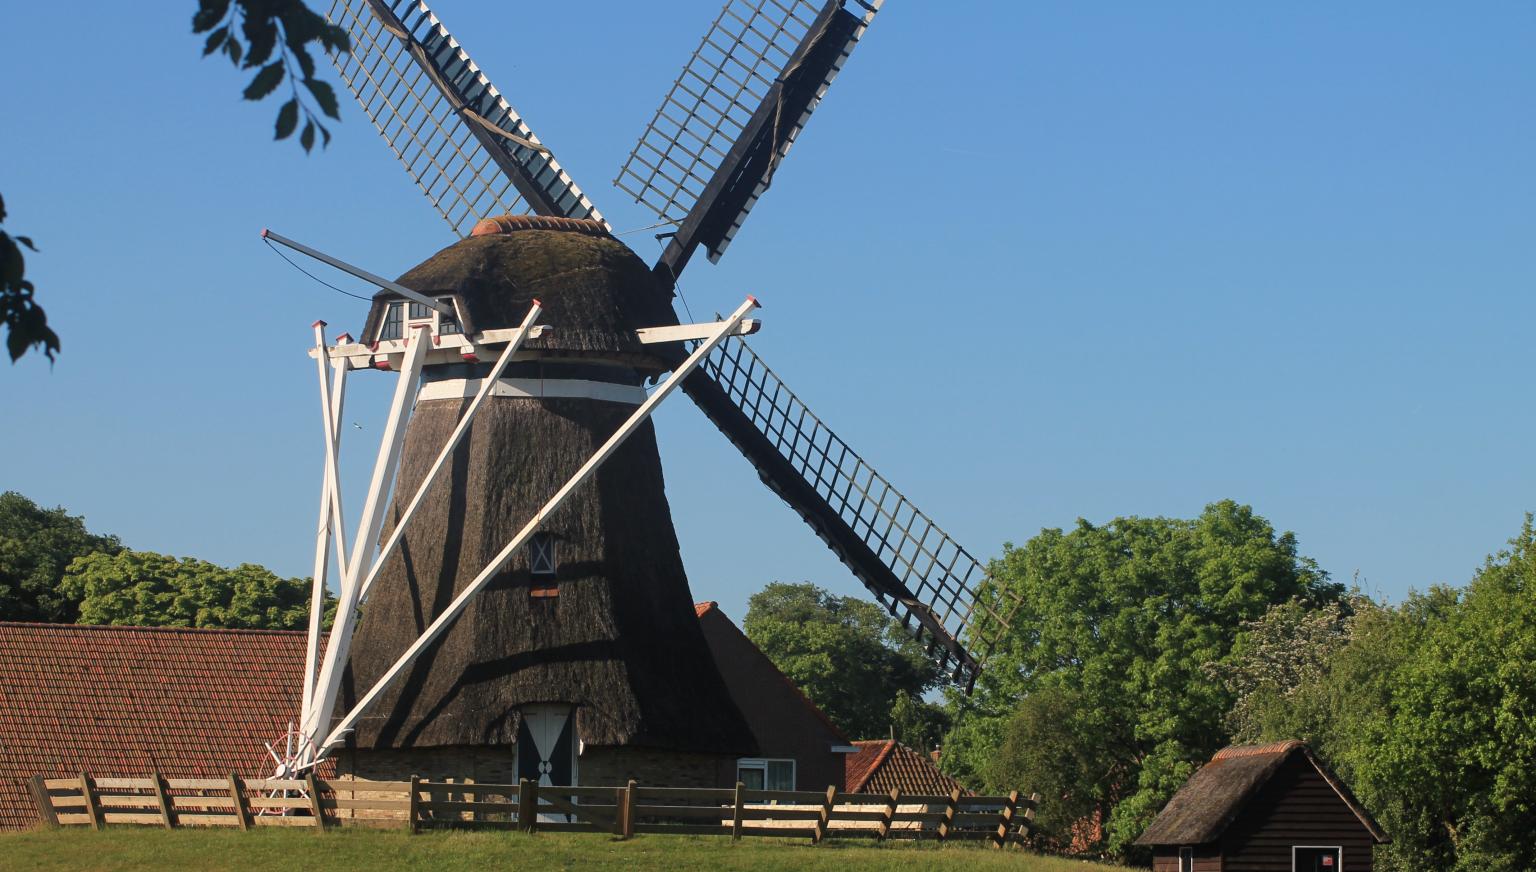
(524, 608)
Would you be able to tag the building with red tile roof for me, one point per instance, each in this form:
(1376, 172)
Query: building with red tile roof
(885, 764)
(133, 700)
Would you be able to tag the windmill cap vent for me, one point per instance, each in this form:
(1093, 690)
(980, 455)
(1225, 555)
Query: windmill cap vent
(503, 224)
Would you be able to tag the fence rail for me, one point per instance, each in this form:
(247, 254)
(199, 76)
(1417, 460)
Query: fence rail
(621, 811)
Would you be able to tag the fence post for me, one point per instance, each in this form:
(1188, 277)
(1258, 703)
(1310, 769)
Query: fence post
(413, 806)
(629, 809)
(1005, 819)
(890, 813)
(44, 801)
(312, 785)
(527, 805)
(736, 811)
(92, 806)
(1029, 816)
(242, 808)
(825, 819)
(949, 814)
(167, 808)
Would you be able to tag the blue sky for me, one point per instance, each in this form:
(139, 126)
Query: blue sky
(1035, 261)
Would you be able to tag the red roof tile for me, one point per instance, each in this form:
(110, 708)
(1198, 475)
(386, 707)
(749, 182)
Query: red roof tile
(883, 764)
(134, 700)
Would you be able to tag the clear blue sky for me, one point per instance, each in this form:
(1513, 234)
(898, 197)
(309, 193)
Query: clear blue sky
(1035, 261)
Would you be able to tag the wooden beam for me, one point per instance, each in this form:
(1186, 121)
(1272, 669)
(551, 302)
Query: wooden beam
(1005, 820)
(163, 797)
(92, 804)
(44, 802)
(312, 787)
(825, 820)
(683, 332)
(413, 810)
(948, 822)
(527, 805)
(736, 813)
(242, 808)
(629, 809)
(890, 813)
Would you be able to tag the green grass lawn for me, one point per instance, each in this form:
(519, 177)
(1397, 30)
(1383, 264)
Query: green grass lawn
(380, 850)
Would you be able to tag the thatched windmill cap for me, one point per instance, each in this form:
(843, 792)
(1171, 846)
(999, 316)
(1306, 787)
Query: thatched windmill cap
(596, 292)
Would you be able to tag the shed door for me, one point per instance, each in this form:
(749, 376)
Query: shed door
(1314, 859)
(546, 750)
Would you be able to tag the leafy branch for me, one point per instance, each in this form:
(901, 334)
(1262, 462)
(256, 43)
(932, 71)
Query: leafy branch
(276, 37)
(27, 325)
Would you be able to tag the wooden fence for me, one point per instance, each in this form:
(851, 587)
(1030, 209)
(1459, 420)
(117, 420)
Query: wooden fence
(621, 811)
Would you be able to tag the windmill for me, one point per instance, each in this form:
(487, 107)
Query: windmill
(504, 608)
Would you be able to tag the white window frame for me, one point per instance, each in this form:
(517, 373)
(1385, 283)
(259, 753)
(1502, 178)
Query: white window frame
(543, 543)
(434, 319)
(1337, 848)
(1190, 853)
(762, 763)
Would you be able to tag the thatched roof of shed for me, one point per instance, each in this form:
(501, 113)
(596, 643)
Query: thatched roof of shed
(1216, 795)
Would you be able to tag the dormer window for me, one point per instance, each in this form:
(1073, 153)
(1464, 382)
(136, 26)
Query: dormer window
(403, 315)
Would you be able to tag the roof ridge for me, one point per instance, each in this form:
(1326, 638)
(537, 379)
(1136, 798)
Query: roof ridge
(134, 628)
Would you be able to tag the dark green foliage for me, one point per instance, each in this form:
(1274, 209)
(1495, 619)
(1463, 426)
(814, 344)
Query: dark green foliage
(1119, 626)
(277, 35)
(846, 654)
(1428, 711)
(141, 588)
(25, 322)
(37, 545)
(918, 723)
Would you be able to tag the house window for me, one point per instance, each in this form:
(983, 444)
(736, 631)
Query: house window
(1186, 860)
(760, 774)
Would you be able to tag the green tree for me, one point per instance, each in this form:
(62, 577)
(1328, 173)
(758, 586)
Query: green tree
(1429, 712)
(917, 723)
(846, 654)
(142, 588)
(1122, 620)
(36, 546)
(271, 37)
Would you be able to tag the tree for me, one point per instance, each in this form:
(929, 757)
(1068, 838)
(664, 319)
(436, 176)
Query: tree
(142, 588)
(917, 723)
(248, 32)
(844, 653)
(1121, 621)
(1426, 711)
(36, 546)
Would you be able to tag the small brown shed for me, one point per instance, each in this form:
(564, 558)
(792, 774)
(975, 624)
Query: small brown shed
(1263, 808)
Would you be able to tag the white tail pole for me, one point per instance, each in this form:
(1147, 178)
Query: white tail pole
(368, 525)
(486, 386)
(451, 613)
(330, 416)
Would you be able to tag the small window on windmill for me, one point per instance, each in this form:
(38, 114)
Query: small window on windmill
(394, 322)
(542, 566)
(447, 323)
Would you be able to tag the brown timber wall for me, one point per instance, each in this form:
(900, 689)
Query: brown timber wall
(1296, 807)
(1207, 859)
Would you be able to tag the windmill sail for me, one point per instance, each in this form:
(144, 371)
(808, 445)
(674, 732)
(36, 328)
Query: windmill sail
(915, 569)
(712, 148)
(467, 148)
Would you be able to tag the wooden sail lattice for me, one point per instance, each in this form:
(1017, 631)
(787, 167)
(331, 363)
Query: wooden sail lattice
(931, 582)
(734, 111)
(462, 142)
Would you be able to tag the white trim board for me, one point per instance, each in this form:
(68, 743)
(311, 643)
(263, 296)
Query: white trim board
(535, 388)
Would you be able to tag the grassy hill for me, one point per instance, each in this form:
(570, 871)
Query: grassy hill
(375, 850)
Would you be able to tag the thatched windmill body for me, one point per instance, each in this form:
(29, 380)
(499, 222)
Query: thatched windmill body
(527, 606)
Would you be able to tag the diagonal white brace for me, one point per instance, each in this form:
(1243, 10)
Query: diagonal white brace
(368, 526)
(455, 608)
(487, 386)
(331, 404)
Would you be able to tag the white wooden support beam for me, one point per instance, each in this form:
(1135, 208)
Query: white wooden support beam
(487, 386)
(452, 348)
(331, 404)
(455, 608)
(685, 332)
(371, 520)
(370, 278)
